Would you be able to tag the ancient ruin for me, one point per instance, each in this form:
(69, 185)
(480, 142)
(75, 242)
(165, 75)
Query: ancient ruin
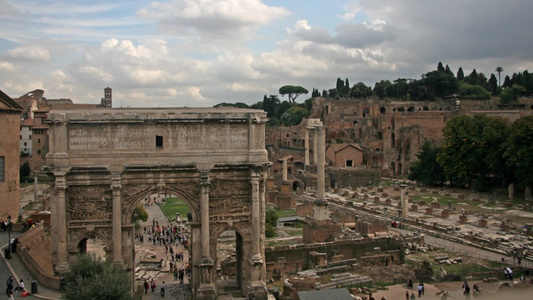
(103, 163)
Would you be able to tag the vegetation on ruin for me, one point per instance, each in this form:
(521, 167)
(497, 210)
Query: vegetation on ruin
(90, 278)
(271, 220)
(173, 205)
(441, 83)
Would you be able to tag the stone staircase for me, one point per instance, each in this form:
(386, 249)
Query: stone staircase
(344, 279)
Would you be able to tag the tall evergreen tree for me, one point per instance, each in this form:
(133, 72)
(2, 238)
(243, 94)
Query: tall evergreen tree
(493, 84)
(440, 68)
(460, 74)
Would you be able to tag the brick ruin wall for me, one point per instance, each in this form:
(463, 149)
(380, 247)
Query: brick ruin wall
(295, 258)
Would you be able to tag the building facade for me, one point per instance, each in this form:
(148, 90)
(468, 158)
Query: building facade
(9, 157)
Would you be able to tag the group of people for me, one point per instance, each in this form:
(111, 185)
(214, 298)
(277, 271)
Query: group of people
(152, 286)
(5, 225)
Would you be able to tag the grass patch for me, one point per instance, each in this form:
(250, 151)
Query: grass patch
(284, 213)
(294, 232)
(171, 206)
(279, 243)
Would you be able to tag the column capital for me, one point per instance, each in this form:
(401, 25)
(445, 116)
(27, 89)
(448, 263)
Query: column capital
(116, 181)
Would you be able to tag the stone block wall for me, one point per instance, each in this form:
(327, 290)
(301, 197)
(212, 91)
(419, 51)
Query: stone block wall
(353, 178)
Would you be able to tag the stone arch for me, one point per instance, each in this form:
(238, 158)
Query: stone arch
(411, 109)
(375, 162)
(78, 234)
(140, 196)
(383, 110)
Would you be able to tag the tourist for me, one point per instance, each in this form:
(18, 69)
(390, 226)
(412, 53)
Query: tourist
(162, 287)
(20, 287)
(466, 290)
(152, 285)
(413, 297)
(146, 286)
(420, 288)
(509, 273)
(407, 295)
(9, 286)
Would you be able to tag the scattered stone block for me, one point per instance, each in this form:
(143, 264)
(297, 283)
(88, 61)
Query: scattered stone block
(462, 219)
(445, 214)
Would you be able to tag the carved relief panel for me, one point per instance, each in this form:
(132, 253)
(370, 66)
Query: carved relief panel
(89, 204)
(230, 201)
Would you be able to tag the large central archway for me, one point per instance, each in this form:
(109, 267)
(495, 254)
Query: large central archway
(105, 162)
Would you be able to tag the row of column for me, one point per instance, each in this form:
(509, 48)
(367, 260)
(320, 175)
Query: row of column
(313, 125)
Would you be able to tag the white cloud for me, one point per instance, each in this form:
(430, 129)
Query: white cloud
(96, 73)
(29, 53)
(215, 19)
(6, 66)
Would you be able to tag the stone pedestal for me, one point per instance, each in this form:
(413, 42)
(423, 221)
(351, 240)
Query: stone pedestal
(376, 199)
(482, 223)
(414, 208)
(505, 226)
(462, 219)
(429, 211)
(435, 205)
(388, 201)
(445, 214)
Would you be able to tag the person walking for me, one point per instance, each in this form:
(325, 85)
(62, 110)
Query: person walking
(9, 286)
(420, 288)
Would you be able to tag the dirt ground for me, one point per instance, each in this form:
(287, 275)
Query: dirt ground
(489, 291)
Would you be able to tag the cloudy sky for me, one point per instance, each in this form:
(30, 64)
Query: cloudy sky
(203, 52)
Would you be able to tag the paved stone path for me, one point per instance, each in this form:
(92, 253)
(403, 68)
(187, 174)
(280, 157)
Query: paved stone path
(173, 289)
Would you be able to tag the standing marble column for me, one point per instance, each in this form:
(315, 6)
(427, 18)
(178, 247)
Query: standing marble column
(204, 208)
(206, 290)
(321, 212)
(306, 143)
(321, 158)
(61, 223)
(285, 170)
(315, 146)
(117, 218)
(256, 230)
(404, 199)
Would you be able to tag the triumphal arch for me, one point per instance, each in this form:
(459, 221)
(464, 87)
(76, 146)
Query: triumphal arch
(105, 162)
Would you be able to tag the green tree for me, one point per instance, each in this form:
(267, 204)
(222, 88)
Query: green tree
(441, 83)
(426, 169)
(360, 90)
(468, 91)
(25, 170)
(91, 279)
(271, 220)
(471, 144)
(270, 105)
(493, 84)
(519, 150)
(383, 89)
(460, 74)
(294, 115)
(141, 212)
(440, 68)
(292, 91)
(510, 95)
(472, 78)
(499, 70)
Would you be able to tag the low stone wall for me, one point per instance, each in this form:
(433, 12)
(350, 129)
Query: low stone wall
(353, 178)
(34, 250)
(298, 255)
